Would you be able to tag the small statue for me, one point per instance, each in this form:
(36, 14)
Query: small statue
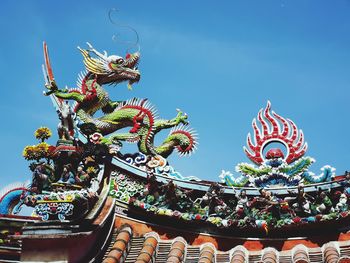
(342, 204)
(152, 187)
(171, 198)
(82, 178)
(269, 203)
(213, 199)
(301, 203)
(213, 190)
(67, 175)
(261, 202)
(174, 197)
(40, 179)
(66, 126)
(242, 200)
(185, 200)
(346, 183)
(323, 203)
(242, 204)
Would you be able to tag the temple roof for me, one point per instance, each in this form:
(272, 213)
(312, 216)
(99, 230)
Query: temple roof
(92, 202)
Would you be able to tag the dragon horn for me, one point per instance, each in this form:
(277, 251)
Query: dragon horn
(92, 64)
(100, 55)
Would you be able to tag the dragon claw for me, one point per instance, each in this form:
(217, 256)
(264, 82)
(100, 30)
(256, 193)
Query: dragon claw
(52, 86)
(181, 117)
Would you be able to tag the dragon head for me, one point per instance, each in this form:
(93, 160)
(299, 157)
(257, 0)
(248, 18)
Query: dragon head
(112, 69)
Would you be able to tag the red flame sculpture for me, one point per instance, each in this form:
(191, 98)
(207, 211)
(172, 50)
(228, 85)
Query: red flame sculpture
(275, 128)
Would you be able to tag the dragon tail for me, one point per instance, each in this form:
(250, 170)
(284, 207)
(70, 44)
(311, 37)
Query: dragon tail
(182, 139)
(10, 197)
(229, 180)
(327, 175)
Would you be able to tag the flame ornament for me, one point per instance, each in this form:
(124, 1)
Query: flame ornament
(274, 128)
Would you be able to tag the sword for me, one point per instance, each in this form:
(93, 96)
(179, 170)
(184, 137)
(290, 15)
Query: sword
(50, 80)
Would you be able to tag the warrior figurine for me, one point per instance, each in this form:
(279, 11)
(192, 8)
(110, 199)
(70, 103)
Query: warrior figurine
(323, 203)
(242, 204)
(66, 126)
(301, 203)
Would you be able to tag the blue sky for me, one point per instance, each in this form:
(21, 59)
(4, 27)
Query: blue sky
(220, 63)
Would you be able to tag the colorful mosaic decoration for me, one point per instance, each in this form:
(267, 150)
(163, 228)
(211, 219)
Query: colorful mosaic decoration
(61, 205)
(157, 164)
(62, 210)
(276, 168)
(122, 188)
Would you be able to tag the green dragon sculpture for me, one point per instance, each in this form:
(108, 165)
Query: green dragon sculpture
(90, 97)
